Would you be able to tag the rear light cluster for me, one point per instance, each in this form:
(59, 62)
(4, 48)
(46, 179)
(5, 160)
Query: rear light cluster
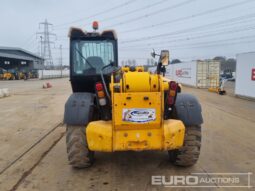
(173, 86)
(100, 94)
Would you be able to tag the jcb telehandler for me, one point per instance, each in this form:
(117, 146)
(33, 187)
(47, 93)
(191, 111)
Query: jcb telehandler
(121, 109)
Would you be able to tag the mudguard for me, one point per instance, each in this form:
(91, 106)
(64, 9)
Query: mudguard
(188, 109)
(79, 109)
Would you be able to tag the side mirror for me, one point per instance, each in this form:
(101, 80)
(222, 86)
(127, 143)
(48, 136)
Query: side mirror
(153, 54)
(164, 57)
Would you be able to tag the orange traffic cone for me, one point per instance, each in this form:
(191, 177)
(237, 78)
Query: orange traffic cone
(48, 85)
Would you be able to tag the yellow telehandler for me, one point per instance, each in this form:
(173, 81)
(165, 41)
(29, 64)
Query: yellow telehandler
(125, 109)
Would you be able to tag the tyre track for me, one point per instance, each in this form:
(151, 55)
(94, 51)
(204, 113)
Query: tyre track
(30, 148)
(28, 172)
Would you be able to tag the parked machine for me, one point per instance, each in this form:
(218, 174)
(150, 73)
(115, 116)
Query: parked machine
(34, 73)
(121, 109)
(6, 75)
(1, 73)
(220, 87)
(16, 74)
(27, 74)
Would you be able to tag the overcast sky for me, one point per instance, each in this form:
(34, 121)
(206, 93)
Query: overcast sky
(190, 29)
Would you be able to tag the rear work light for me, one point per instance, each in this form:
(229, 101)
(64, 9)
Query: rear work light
(100, 94)
(172, 93)
(99, 86)
(173, 85)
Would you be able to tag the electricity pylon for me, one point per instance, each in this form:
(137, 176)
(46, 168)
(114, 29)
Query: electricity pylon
(46, 42)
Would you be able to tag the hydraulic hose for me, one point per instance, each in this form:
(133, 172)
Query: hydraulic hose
(102, 77)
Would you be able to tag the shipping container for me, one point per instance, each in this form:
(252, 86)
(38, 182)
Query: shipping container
(245, 75)
(200, 74)
(208, 74)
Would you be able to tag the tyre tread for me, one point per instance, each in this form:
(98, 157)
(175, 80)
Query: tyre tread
(79, 155)
(189, 153)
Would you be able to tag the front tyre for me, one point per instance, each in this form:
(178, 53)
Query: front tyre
(79, 155)
(189, 153)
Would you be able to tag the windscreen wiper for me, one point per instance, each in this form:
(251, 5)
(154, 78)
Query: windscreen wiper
(83, 57)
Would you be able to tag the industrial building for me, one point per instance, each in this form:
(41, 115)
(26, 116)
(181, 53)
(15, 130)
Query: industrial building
(18, 58)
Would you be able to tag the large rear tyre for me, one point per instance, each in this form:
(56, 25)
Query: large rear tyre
(79, 155)
(189, 153)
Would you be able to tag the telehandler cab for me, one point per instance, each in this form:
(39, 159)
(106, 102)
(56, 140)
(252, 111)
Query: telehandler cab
(125, 108)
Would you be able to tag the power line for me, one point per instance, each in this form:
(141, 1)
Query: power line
(189, 17)
(31, 42)
(220, 44)
(232, 30)
(204, 44)
(97, 14)
(188, 30)
(242, 28)
(133, 11)
(217, 41)
(71, 12)
(234, 22)
(28, 40)
(152, 13)
(63, 48)
(199, 14)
